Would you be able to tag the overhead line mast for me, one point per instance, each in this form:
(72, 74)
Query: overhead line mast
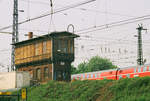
(14, 33)
(140, 51)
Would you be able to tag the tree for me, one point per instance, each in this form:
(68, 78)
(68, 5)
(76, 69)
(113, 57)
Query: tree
(97, 63)
(82, 67)
(73, 70)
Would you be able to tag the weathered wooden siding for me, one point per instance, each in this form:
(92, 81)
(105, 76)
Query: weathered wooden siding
(27, 53)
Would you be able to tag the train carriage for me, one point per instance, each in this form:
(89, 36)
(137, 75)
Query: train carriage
(115, 74)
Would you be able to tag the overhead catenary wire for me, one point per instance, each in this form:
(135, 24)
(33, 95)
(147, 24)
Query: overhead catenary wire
(113, 24)
(47, 14)
(104, 12)
(36, 2)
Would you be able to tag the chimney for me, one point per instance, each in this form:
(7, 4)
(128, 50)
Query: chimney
(30, 35)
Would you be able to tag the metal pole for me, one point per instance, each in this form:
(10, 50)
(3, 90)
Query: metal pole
(14, 34)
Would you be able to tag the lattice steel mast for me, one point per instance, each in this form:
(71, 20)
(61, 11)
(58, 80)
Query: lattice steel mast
(15, 33)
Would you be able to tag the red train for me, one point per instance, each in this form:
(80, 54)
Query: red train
(115, 74)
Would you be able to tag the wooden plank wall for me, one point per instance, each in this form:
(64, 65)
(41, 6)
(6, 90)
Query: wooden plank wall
(26, 53)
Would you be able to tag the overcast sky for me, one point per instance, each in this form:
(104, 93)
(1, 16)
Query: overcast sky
(99, 12)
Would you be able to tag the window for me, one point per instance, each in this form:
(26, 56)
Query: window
(38, 74)
(128, 75)
(83, 76)
(134, 70)
(92, 75)
(46, 73)
(44, 47)
(71, 46)
(59, 46)
(36, 49)
(139, 69)
(62, 46)
(120, 77)
(87, 76)
(95, 75)
(144, 69)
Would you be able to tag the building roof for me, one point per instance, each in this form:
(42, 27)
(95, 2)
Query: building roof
(48, 36)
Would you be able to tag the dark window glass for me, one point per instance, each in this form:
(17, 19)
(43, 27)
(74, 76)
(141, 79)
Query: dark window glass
(46, 72)
(62, 46)
(71, 46)
(38, 74)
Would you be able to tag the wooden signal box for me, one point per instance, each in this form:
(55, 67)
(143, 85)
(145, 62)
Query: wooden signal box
(47, 57)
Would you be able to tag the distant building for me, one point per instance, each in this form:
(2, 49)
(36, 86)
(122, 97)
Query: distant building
(47, 57)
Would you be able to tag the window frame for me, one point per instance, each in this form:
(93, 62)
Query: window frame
(38, 74)
(36, 48)
(44, 48)
(46, 73)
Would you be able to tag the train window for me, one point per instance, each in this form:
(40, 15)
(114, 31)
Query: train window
(134, 70)
(83, 76)
(128, 75)
(87, 76)
(139, 69)
(144, 69)
(95, 75)
(92, 75)
(73, 78)
(120, 77)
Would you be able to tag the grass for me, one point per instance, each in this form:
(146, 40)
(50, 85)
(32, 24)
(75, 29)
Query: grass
(62, 91)
(134, 89)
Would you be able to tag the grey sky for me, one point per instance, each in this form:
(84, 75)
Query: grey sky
(93, 14)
